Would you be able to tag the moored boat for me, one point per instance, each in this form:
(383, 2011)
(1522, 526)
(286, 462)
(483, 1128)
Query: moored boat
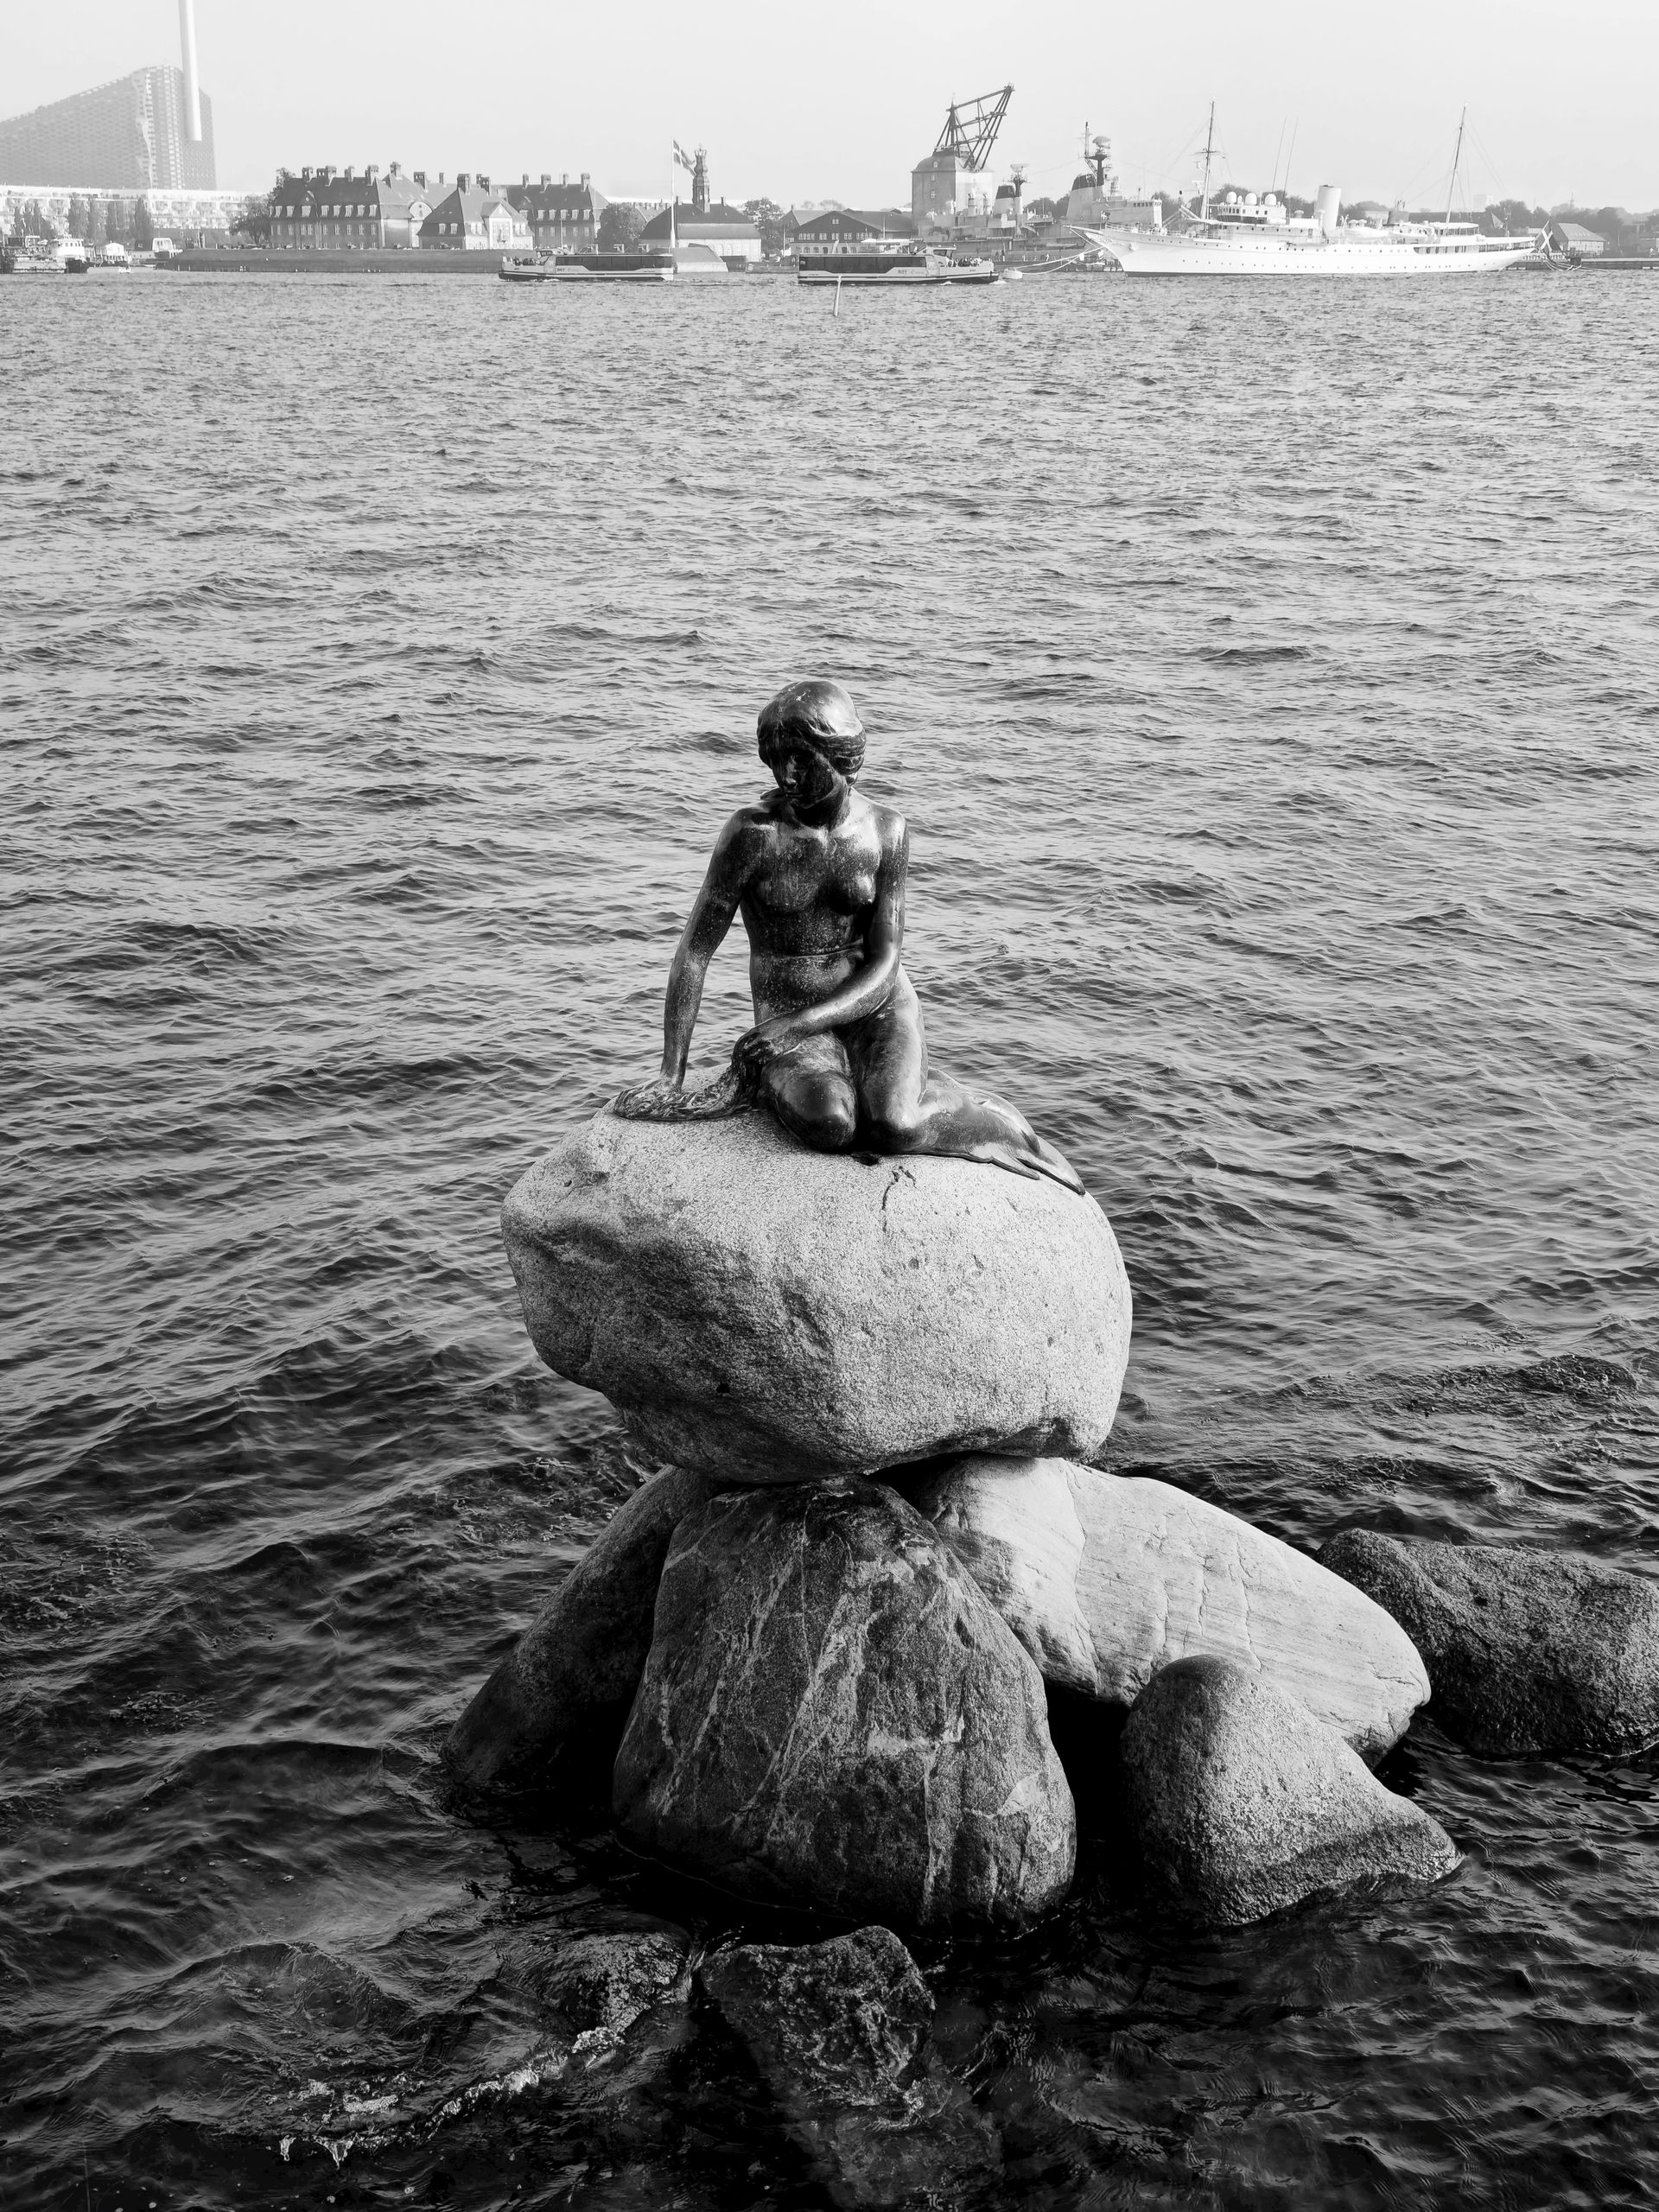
(888, 261)
(651, 265)
(1247, 234)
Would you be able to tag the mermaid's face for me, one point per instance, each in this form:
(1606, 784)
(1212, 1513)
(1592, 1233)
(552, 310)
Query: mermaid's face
(807, 780)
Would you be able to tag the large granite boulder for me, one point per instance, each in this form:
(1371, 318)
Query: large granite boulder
(555, 1708)
(1241, 1803)
(1105, 1578)
(839, 2033)
(768, 1313)
(1525, 1651)
(833, 1715)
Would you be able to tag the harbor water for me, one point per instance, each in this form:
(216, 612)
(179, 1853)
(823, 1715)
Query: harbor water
(1271, 680)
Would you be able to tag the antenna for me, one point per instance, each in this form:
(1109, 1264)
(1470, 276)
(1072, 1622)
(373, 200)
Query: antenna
(1291, 156)
(1451, 190)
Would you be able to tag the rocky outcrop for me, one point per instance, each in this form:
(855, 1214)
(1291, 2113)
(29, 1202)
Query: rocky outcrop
(604, 1981)
(833, 1714)
(838, 2031)
(843, 2022)
(1525, 1651)
(1106, 1579)
(1242, 1803)
(554, 1709)
(765, 1312)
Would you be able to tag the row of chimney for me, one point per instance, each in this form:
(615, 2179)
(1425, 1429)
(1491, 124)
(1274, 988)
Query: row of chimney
(464, 179)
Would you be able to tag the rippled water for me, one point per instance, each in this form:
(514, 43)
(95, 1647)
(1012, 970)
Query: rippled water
(1272, 685)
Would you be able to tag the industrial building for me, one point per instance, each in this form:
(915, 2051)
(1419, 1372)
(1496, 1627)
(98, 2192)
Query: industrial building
(949, 190)
(131, 134)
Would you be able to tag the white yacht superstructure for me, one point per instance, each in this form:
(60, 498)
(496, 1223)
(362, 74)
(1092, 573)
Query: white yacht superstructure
(1243, 236)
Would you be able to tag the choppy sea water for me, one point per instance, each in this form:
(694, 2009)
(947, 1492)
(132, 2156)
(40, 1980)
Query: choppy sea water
(1271, 678)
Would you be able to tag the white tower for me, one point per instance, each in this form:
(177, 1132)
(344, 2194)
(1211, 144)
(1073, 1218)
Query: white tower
(192, 87)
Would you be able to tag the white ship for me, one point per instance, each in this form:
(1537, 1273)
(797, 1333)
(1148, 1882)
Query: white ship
(1244, 235)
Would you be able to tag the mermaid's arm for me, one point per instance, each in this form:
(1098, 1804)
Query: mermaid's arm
(706, 927)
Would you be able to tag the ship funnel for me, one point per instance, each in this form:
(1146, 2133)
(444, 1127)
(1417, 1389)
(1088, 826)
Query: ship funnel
(191, 88)
(1327, 206)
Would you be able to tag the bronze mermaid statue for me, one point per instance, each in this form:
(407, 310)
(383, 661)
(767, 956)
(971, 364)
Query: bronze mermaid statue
(838, 1050)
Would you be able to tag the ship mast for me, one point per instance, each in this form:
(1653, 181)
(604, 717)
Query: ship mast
(1451, 190)
(1209, 149)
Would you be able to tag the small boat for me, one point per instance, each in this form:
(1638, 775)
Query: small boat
(888, 261)
(653, 265)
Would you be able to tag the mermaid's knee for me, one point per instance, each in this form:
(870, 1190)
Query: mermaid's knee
(818, 1112)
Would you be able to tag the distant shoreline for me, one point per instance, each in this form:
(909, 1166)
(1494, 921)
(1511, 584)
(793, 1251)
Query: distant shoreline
(388, 261)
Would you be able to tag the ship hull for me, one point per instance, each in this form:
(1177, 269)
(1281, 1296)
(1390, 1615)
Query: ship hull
(1371, 255)
(971, 273)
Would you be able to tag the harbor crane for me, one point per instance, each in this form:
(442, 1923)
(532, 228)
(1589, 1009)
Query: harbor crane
(971, 126)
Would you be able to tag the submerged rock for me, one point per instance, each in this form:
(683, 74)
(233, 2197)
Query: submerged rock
(832, 1714)
(843, 2021)
(1525, 1651)
(1242, 1803)
(1106, 1579)
(838, 2032)
(606, 1980)
(558, 1703)
(769, 1313)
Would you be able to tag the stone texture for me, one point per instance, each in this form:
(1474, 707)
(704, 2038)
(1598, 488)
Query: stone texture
(558, 1701)
(1105, 1578)
(839, 2033)
(606, 1980)
(765, 1313)
(1525, 1651)
(832, 1714)
(1242, 1803)
(845, 2020)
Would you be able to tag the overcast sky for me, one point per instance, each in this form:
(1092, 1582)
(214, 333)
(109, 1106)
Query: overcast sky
(840, 101)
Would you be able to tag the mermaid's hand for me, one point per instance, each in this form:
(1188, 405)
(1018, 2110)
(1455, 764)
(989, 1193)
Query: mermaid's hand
(758, 1046)
(658, 1100)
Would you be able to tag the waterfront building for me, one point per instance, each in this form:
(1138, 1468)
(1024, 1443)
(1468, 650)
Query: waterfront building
(1573, 238)
(472, 217)
(830, 229)
(323, 210)
(734, 236)
(131, 134)
(564, 218)
(196, 217)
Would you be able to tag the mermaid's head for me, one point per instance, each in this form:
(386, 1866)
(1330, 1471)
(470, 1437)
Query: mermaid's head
(818, 715)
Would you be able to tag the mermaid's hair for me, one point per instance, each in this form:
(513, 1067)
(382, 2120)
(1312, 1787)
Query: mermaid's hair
(822, 714)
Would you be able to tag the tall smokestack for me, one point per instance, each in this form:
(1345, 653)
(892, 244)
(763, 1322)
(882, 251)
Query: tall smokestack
(191, 89)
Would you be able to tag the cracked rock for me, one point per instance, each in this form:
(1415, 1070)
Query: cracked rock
(833, 1715)
(554, 1709)
(1243, 1804)
(1525, 1651)
(839, 2033)
(1105, 1578)
(765, 1313)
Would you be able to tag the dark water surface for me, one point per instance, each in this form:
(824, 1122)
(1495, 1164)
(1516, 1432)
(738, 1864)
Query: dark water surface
(1272, 680)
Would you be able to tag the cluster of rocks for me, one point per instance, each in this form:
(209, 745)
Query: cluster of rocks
(811, 1654)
